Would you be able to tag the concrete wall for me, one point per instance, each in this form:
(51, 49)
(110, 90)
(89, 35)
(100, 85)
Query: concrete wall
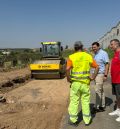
(114, 33)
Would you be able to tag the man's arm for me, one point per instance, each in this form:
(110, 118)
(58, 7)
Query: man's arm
(68, 75)
(68, 70)
(95, 73)
(96, 66)
(107, 65)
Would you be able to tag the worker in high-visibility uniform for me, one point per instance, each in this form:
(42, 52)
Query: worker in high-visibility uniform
(78, 74)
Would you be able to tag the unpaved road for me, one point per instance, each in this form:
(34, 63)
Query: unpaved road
(39, 104)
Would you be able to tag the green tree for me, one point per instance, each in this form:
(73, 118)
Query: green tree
(110, 52)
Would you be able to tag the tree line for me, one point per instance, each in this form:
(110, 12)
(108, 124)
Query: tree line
(22, 58)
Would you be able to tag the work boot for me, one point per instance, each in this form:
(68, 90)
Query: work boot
(101, 109)
(89, 123)
(116, 112)
(73, 124)
(95, 110)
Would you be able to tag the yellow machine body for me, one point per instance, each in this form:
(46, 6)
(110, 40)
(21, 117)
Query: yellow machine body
(51, 65)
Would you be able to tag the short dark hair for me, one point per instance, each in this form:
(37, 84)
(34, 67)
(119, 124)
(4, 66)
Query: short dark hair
(96, 43)
(78, 45)
(116, 40)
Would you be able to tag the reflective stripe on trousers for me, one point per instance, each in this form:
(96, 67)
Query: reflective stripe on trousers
(87, 115)
(79, 91)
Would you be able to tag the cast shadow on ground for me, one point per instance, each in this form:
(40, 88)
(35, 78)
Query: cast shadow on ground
(93, 114)
(108, 101)
(80, 117)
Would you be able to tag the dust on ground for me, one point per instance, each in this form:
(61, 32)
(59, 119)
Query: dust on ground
(12, 79)
(38, 104)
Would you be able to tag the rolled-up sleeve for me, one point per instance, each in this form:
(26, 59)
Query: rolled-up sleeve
(94, 64)
(69, 64)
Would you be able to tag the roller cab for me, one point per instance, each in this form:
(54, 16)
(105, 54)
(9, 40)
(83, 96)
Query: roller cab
(52, 65)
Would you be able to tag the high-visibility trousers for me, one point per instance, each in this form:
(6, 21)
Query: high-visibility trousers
(79, 91)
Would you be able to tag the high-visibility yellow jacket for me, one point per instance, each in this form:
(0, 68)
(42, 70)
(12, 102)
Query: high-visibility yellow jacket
(81, 63)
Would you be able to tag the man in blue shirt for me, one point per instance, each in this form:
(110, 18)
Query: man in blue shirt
(102, 59)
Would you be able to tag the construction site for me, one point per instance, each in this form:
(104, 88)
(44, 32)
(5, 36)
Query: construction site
(42, 104)
(31, 104)
(37, 96)
(59, 64)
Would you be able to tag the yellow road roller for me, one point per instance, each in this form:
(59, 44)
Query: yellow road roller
(52, 64)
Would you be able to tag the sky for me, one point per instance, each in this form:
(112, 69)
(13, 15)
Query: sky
(26, 23)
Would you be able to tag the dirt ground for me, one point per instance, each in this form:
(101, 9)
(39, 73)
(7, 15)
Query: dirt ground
(37, 104)
(9, 80)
